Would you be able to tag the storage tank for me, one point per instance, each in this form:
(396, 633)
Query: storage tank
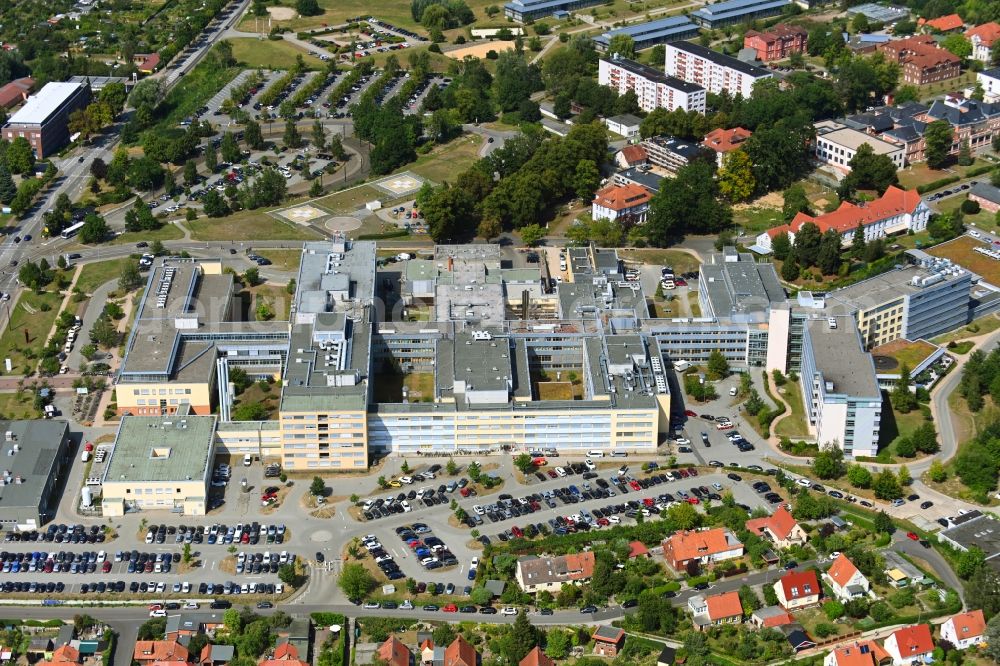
(86, 497)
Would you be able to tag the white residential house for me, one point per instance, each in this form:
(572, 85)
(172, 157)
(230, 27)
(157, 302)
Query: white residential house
(845, 580)
(965, 630)
(910, 646)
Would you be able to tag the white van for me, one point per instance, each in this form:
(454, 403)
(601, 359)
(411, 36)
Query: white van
(733, 391)
(595, 454)
(247, 460)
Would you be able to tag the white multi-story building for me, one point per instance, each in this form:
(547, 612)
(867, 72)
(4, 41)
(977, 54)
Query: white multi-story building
(990, 81)
(654, 89)
(965, 630)
(841, 393)
(714, 71)
(837, 144)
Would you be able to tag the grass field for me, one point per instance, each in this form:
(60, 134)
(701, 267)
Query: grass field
(12, 408)
(245, 225)
(894, 426)
(554, 390)
(960, 252)
(757, 219)
(982, 219)
(164, 233)
(275, 296)
(907, 353)
(283, 260)
(419, 386)
(193, 90)
(920, 174)
(268, 54)
(35, 325)
(444, 163)
(349, 200)
(794, 424)
(94, 275)
(682, 262)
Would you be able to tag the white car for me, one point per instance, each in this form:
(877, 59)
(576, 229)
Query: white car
(406, 506)
(508, 610)
(161, 587)
(279, 588)
(682, 441)
(590, 464)
(406, 605)
(560, 471)
(158, 613)
(406, 479)
(478, 510)
(474, 563)
(190, 605)
(176, 588)
(803, 482)
(185, 587)
(717, 486)
(614, 520)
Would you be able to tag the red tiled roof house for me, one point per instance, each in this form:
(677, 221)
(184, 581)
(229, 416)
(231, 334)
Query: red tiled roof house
(150, 651)
(537, 658)
(725, 608)
(896, 211)
(910, 645)
(394, 652)
(701, 546)
(780, 528)
(858, 653)
(982, 38)
(629, 202)
(845, 580)
(777, 43)
(798, 589)
(965, 630)
(922, 60)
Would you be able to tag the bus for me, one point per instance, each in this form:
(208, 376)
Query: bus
(69, 232)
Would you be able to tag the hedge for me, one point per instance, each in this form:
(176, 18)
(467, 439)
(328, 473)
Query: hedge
(936, 184)
(387, 235)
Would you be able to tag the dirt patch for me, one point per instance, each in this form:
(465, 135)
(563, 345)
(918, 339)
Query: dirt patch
(324, 513)
(282, 13)
(770, 200)
(228, 564)
(356, 513)
(479, 50)
(473, 544)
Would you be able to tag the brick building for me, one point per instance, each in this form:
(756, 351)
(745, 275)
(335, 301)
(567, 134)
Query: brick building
(777, 43)
(922, 60)
(44, 118)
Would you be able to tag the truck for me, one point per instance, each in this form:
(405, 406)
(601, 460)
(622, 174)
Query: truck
(85, 456)
(681, 366)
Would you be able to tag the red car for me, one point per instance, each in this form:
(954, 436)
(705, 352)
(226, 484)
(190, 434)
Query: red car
(539, 462)
(634, 485)
(684, 473)
(688, 412)
(603, 522)
(681, 282)
(106, 567)
(693, 500)
(648, 501)
(450, 608)
(517, 531)
(692, 471)
(464, 492)
(552, 473)
(912, 535)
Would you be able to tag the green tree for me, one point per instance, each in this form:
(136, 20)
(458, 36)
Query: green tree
(586, 179)
(558, 644)
(828, 258)
(858, 243)
(969, 562)
(883, 523)
(211, 157)
(319, 135)
(214, 204)
(903, 475)
(868, 171)
(230, 148)
(252, 135)
(252, 276)
(355, 581)
(795, 202)
(718, 366)
(130, 278)
(190, 172)
(7, 187)
(250, 411)
(936, 472)
(20, 156)
(902, 399)
(790, 269)
(525, 463)
(532, 234)
(736, 180)
(287, 574)
(983, 591)
(965, 153)
(781, 246)
(291, 137)
(623, 45)
(829, 463)
(308, 8)
(886, 486)
(318, 487)
(808, 241)
(94, 230)
(937, 140)
(992, 649)
(958, 44)
(688, 203)
(683, 516)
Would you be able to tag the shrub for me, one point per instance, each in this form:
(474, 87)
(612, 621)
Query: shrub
(970, 207)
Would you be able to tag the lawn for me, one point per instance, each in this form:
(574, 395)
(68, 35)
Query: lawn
(419, 386)
(757, 219)
(255, 394)
(30, 324)
(554, 390)
(982, 219)
(693, 302)
(960, 251)
(981, 326)
(349, 200)
(267, 54)
(12, 408)
(95, 274)
(920, 174)
(164, 233)
(283, 260)
(894, 426)
(681, 262)
(276, 296)
(910, 354)
(193, 90)
(444, 163)
(248, 226)
(794, 424)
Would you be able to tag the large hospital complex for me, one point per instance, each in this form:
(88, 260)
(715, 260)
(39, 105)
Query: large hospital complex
(454, 352)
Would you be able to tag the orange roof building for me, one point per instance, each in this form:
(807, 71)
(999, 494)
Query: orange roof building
(982, 38)
(16, 91)
(797, 589)
(723, 141)
(922, 60)
(146, 63)
(67, 654)
(965, 630)
(394, 652)
(858, 653)
(285, 654)
(780, 527)
(632, 155)
(725, 608)
(779, 42)
(910, 644)
(896, 211)
(535, 574)
(770, 617)
(629, 202)
(942, 23)
(702, 546)
(150, 651)
(845, 580)
(537, 658)
(637, 549)
(460, 653)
